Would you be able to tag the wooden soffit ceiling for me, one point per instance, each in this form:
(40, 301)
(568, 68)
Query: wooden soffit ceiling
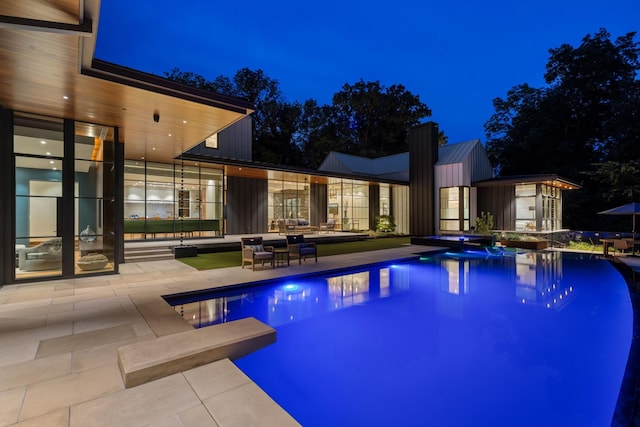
(48, 68)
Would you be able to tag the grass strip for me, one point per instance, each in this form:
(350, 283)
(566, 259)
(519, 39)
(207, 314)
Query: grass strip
(233, 258)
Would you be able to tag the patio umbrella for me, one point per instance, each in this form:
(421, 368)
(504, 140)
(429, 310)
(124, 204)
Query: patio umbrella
(632, 209)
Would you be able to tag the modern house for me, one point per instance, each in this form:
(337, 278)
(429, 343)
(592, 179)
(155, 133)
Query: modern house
(94, 154)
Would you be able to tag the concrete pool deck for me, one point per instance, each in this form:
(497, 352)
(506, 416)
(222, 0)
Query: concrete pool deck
(59, 344)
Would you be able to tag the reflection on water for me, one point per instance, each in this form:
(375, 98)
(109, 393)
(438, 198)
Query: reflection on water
(525, 339)
(537, 276)
(532, 278)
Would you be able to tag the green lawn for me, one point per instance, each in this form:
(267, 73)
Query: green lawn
(233, 258)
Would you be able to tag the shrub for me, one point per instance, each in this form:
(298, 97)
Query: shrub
(484, 223)
(385, 224)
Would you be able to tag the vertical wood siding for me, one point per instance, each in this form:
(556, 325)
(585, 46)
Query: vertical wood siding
(318, 196)
(246, 211)
(499, 202)
(423, 154)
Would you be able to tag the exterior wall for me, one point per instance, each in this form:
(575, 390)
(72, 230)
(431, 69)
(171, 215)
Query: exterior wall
(451, 175)
(374, 206)
(475, 167)
(234, 142)
(478, 164)
(246, 205)
(499, 202)
(423, 154)
(318, 194)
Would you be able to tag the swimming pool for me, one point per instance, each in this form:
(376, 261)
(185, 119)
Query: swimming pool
(529, 339)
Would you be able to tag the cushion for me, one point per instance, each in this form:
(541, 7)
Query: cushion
(93, 262)
(307, 250)
(255, 248)
(302, 245)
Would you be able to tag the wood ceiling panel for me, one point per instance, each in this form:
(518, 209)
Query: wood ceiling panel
(40, 68)
(66, 11)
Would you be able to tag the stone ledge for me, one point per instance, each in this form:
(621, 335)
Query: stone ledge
(167, 355)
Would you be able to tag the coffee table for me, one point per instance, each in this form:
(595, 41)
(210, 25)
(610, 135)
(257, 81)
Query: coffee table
(280, 256)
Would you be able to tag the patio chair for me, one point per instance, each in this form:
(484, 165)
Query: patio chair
(254, 251)
(301, 249)
(327, 227)
(622, 245)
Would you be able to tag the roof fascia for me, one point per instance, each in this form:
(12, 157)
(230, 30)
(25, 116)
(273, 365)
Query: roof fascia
(84, 29)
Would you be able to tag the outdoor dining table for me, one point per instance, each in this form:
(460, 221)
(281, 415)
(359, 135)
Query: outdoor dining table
(606, 243)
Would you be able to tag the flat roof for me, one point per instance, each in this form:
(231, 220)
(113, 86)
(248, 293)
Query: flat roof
(553, 180)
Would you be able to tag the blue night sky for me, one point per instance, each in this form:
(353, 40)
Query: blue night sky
(456, 56)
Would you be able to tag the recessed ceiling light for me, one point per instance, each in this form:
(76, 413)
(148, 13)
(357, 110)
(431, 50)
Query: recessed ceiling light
(65, 97)
(153, 148)
(51, 162)
(170, 135)
(48, 153)
(184, 122)
(42, 141)
(142, 158)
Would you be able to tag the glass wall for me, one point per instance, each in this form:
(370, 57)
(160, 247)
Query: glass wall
(169, 201)
(525, 207)
(288, 201)
(42, 213)
(348, 204)
(94, 195)
(38, 145)
(551, 208)
(454, 209)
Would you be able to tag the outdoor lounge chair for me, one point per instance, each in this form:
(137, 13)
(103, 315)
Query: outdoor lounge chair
(301, 249)
(622, 245)
(327, 227)
(254, 251)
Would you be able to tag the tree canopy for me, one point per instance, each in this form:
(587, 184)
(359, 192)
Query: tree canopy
(584, 125)
(365, 119)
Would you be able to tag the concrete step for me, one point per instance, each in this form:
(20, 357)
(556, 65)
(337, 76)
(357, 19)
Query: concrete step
(167, 355)
(147, 254)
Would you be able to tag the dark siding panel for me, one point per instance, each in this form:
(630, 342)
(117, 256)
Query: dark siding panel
(318, 209)
(246, 205)
(374, 205)
(234, 142)
(499, 202)
(423, 154)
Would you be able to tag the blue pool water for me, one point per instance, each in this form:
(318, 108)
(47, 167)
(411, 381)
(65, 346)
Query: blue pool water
(531, 339)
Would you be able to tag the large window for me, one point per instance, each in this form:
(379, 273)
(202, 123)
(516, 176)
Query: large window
(168, 201)
(45, 214)
(348, 204)
(526, 207)
(454, 209)
(289, 200)
(94, 195)
(551, 208)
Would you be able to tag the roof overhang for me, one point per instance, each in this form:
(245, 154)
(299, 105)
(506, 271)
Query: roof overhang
(47, 51)
(548, 179)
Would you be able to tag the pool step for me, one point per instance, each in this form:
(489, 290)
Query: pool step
(167, 355)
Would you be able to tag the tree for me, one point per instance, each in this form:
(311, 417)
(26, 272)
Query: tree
(584, 119)
(275, 121)
(374, 120)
